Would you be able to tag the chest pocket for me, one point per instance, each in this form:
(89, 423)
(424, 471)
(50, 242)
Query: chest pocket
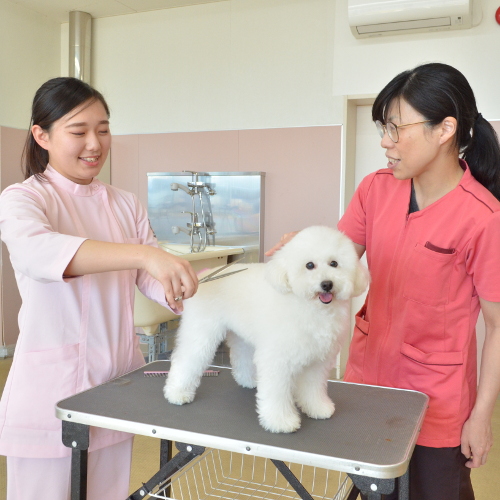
(428, 277)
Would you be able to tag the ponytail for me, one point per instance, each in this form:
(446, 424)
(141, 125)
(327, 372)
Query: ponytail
(483, 155)
(34, 158)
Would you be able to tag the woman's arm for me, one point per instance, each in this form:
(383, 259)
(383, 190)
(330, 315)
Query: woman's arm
(175, 274)
(477, 437)
(360, 249)
(283, 241)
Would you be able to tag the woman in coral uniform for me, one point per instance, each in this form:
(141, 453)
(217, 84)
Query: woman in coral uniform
(430, 226)
(78, 248)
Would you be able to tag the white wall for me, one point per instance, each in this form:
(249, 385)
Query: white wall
(366, 66)
(237, 64)
(29, 55)
(243, 64)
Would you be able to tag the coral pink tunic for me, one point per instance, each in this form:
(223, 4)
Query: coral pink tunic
(75, 333)
(429, 268)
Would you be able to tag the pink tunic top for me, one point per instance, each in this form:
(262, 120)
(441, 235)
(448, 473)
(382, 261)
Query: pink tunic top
(75, 333)
(429, 268)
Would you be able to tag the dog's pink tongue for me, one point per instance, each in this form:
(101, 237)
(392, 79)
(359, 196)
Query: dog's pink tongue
(326, 298)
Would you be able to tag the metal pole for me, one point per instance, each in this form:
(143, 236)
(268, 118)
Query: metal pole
(80, 30)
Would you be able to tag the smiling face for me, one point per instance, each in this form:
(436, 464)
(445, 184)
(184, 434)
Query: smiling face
(319, 264)
(78, 143)
(418, 147)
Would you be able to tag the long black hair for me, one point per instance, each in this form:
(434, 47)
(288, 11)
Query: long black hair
(436, 91)
(54, 99)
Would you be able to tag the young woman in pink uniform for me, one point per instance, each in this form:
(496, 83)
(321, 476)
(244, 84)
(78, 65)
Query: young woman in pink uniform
(430, 226)
(78, 248)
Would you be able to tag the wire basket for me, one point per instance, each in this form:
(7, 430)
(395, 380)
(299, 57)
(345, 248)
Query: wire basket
(226, 475)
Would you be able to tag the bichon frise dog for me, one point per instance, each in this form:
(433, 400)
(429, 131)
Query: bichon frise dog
(285, 322)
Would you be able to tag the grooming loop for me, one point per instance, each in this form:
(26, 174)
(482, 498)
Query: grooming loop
(219, 474)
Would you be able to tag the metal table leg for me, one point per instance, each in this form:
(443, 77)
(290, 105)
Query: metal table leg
(165, 451)
(166, 454)
(187, 452)
(354, 493)
(374, 489)
(404, 485)
(76, 437)
(292, 480)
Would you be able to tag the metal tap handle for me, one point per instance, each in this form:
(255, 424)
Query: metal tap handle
(177, 230)
(194, 215)
(175, 187)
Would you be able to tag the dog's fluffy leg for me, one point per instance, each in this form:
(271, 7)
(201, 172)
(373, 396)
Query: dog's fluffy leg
(241, 357)
(196, 343)
(311, 391)
(275, 405)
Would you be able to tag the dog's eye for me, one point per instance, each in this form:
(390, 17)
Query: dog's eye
(334, 263)
(310, 265)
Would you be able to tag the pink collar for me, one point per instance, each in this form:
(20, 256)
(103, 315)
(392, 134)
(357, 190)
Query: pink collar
(55, 177)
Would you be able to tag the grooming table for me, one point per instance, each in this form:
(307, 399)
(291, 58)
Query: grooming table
(370, 437)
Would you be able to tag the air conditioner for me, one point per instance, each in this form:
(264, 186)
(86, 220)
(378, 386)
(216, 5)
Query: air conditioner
(369, 18)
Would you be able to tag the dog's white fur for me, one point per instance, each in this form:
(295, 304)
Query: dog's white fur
(283, 338)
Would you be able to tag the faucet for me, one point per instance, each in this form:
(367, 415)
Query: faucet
(175, 187)
(177, 230)
(202, 229)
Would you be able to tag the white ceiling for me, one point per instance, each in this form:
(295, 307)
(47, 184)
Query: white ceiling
(58, 10)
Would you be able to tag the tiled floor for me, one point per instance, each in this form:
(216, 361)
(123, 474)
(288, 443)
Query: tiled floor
(486, 479)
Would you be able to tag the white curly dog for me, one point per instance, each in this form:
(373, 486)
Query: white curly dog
(284, 322)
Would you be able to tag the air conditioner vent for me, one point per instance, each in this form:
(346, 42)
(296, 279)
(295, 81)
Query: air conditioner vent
(380, 17)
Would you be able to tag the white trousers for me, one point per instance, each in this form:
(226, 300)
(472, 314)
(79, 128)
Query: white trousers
(49, 478)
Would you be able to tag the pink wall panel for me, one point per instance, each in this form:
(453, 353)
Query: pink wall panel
(302, 168)
(11, 146)
(175, 152)
(496, 126)
(125, 162)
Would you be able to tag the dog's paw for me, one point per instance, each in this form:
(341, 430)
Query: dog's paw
(281, 425)
(178, 395)
(244, 379)
(319, 409)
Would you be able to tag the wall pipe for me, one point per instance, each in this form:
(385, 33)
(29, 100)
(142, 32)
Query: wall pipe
(80, 30)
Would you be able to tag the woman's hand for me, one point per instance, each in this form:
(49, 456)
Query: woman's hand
(175, 274)
(477, 438)
(476, 441)
(283, 241)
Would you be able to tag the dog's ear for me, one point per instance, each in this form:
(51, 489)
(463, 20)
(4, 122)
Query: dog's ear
(361, 279)
(277, 275)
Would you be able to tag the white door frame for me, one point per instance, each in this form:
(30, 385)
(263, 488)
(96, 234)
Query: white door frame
(351, 103)
(347, 181)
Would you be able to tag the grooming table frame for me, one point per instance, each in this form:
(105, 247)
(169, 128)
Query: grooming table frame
(370, 437)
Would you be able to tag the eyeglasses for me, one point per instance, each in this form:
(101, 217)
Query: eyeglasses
(392, 129)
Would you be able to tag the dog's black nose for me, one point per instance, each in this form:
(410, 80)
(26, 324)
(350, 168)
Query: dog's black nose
(326, 285)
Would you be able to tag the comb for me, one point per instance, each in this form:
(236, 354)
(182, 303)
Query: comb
(206, 373)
